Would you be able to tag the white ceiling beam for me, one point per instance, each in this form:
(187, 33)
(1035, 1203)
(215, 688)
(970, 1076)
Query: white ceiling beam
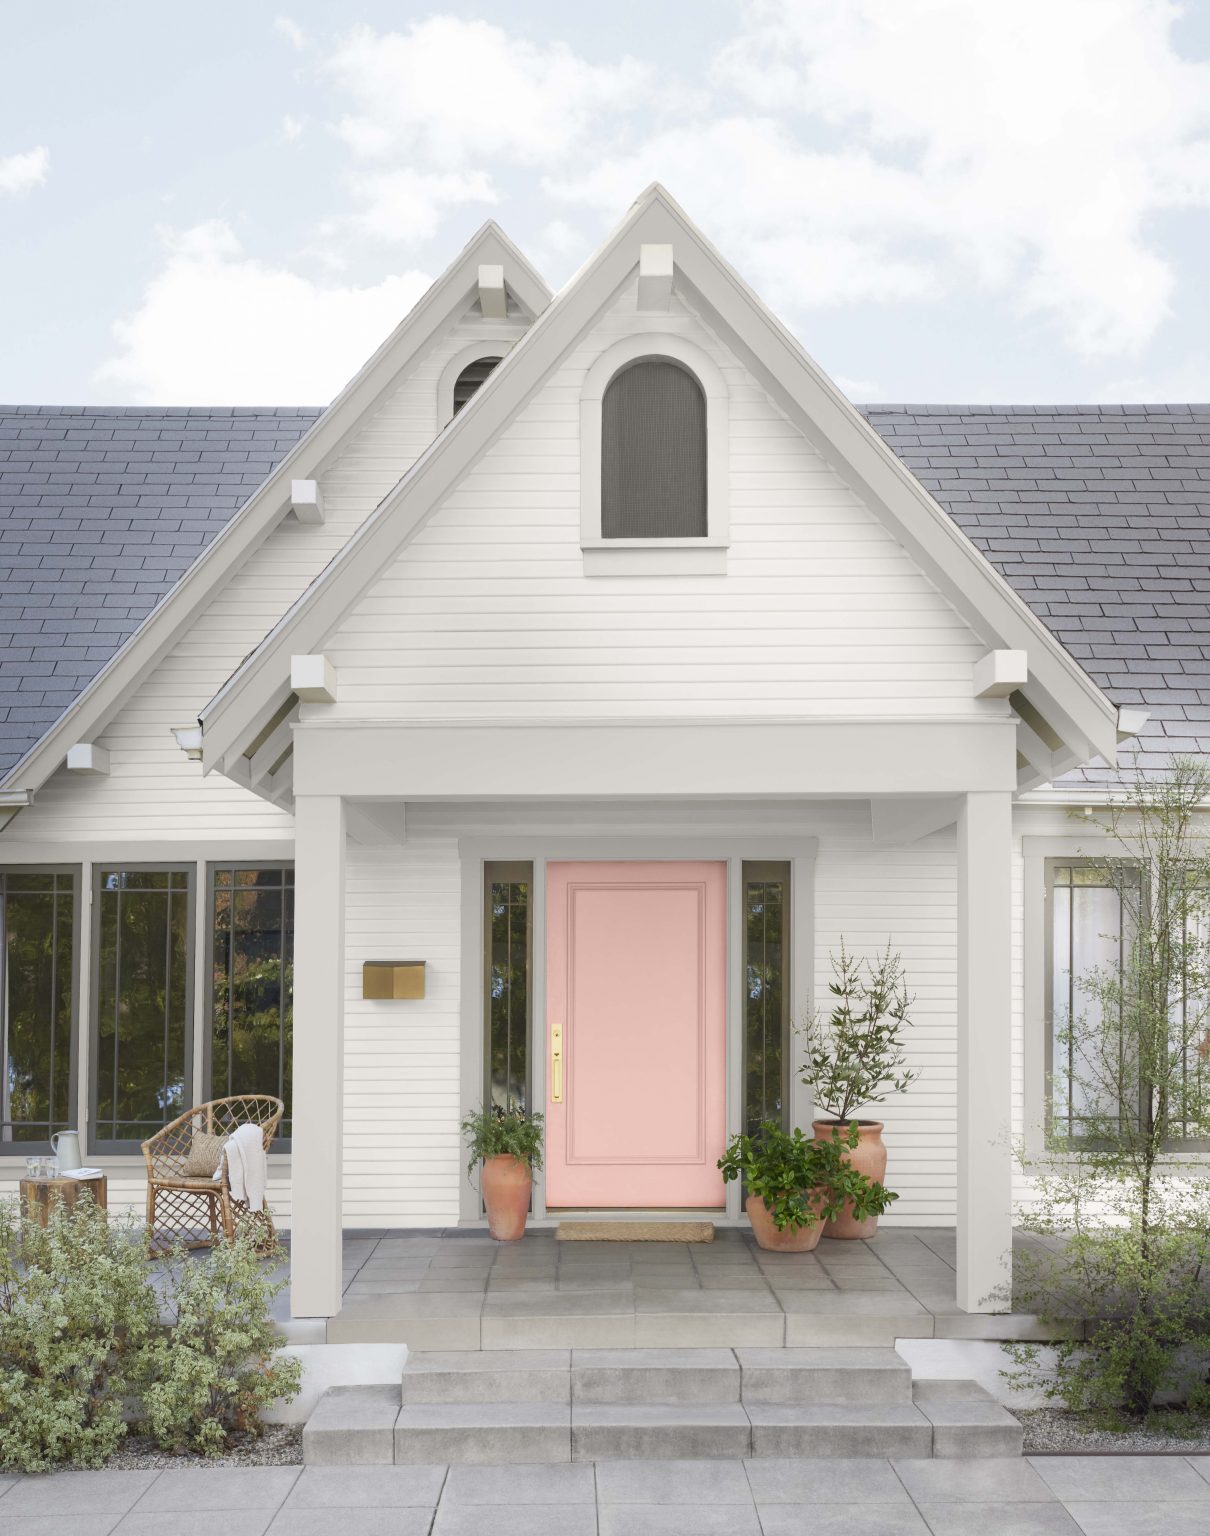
(307, 501)
(655, 278)
(313, 679)
(1034, 750)
(87, 757)
(279, 786)
(493, 297)
(895, 822)
(1000, 673)
(275, 746)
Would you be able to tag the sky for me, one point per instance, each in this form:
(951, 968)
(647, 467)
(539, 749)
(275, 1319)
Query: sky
(945, 200)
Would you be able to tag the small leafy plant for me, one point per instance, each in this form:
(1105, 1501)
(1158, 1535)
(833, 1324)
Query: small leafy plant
(498, 1132)
(800, 1180)
(209, 1374)
(855, 1055)
(76, 1310)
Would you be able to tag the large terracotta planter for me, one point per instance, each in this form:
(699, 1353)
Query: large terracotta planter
(868, 1157)
(792, 1240)
(506, 1185)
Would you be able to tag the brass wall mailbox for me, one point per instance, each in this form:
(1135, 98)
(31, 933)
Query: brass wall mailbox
(392, 980)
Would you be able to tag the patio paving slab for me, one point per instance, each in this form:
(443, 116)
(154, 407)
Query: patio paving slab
(1139, 1519)
(1079, 1479)
(1001, 1520)
(517, 1520)
(801, 1481)
(839, 1520)
(77, 1493)
(351, 1522)
(672, 1482)
(198, 1522)
(990, 1481)
(417, 1486)
(524, 1483)
(215, 1488)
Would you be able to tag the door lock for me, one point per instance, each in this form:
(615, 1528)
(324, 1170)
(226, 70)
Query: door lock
(556, 1063)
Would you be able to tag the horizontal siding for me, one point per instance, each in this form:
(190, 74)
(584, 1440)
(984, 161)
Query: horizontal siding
(153, 791)
(402, 1147)
(906, 897)
(488, 613)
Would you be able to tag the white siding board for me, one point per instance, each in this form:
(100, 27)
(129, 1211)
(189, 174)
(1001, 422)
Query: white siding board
(488, 612)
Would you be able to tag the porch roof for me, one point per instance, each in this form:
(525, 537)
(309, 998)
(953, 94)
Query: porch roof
(1099, 516)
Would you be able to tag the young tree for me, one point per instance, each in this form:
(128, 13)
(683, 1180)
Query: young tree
(1122, 1184)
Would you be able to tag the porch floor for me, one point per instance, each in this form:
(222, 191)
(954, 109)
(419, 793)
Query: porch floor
(456, 1288)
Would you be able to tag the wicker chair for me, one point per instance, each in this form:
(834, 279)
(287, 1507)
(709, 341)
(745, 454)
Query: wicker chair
(186, 1208)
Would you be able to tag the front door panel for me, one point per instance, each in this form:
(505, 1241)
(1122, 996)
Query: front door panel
(636, 986)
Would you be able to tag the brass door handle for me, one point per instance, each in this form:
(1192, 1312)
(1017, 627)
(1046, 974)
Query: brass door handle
(556, 1063)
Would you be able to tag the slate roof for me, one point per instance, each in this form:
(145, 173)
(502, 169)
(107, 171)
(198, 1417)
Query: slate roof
(1098, 515)
(101, 512)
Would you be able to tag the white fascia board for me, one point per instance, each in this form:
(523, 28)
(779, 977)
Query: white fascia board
(999, 674)
(987, 603)
(87, 757)
(129, 667)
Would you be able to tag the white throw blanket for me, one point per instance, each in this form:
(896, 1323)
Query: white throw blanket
(247, 1165)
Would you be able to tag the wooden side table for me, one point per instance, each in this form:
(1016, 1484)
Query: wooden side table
(39, 1195)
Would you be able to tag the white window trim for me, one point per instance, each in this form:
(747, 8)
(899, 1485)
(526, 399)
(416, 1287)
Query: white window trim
(1036, 850)
(656, 557)
(495, 341)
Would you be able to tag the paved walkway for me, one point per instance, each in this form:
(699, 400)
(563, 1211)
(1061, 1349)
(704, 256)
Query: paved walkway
(457, 1289)
(1038, 1496)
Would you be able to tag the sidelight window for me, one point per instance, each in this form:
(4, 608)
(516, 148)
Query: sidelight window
(508, 958)
(766, 1002)
(37, 1038)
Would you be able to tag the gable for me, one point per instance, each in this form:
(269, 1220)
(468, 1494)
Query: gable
(489, 612)
(1069, 710)
(152, 786)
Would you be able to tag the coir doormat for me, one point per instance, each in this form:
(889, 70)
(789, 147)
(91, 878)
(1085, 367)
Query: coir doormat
(635, 1232)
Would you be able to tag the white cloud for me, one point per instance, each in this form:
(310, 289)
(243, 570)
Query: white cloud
(1036, 140)
(291, 31)
(21, 173)
(456, 93)
(217, 327)
(406, 206)
(292, 128)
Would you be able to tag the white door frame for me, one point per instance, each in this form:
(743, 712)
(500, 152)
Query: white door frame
(729, 848)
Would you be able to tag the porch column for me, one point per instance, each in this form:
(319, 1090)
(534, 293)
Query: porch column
(984, 1048)
(318, 1141)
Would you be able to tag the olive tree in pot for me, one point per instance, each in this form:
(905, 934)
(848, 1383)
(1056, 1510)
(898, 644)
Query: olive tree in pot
(795, 1184)
(855, 1059)
(508, 1142)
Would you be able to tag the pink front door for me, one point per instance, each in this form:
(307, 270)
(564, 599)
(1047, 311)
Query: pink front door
(636, 1010)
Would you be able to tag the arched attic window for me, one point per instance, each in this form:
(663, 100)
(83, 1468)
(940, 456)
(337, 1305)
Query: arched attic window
(653, 453)
(469, 380)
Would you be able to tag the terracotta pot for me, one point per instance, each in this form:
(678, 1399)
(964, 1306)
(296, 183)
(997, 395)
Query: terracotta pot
(792, 1240)
(868, 1157)
(506, 1185)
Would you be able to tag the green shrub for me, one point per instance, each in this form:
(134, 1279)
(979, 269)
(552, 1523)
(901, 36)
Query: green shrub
(76, 1310)
(800, 1180)
(211, 1373)
(497, 1132)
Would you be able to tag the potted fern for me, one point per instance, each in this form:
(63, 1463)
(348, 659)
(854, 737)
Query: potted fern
(856, 1059)
(508, 1143)
(796, 1184)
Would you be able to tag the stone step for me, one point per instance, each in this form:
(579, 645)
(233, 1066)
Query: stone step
(839, 1375)
(487, 1376)
(364, 1425)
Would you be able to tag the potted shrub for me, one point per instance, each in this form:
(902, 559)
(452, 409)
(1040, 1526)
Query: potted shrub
(508, 1142)
(794, 1184)
(855, 1059)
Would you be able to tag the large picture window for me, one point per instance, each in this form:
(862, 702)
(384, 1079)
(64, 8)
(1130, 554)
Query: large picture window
(250, 1045)
(766, 992)
(508, 949)
(1089, 932)
(142, 989)
(37, 1038)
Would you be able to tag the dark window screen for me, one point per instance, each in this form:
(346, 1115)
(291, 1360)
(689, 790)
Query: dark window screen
(469, 380)
(653, 454)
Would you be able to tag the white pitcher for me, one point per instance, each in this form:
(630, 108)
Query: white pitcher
(67, 1149)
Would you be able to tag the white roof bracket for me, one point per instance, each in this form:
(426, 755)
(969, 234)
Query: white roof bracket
(655, 278)
(493, 297)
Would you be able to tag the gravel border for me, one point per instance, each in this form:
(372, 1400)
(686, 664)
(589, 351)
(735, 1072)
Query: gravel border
(279, 1446)
(1057, 1432)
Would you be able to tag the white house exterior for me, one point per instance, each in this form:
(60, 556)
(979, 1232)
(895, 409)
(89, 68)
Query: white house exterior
(420, 670)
